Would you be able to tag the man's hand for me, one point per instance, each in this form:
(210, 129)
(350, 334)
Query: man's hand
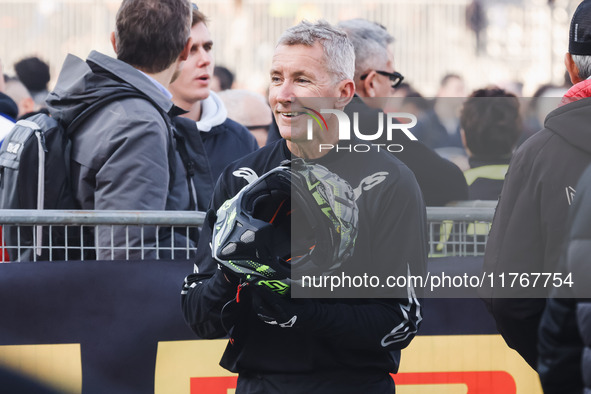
(281, 311)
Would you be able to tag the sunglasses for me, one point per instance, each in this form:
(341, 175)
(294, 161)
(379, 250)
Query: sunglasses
(395, 77)
(266, 127)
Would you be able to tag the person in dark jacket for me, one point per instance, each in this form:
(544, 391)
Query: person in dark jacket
(441, 181)
(490, 128)
(224, 139)
(564, 362)
(529, 223)
(439, 126)
(123, 154)
(344, 345)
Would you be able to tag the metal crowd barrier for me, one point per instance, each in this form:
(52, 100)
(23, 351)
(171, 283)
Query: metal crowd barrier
(22, 229)
(453, 231)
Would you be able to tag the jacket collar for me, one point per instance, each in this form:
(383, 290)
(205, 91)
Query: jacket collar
(133, 77)
(577, 92)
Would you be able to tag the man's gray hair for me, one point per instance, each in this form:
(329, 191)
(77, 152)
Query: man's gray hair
(338, 50)
(370, 41)
(583, 63)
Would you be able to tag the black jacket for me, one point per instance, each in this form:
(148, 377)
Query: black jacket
(196, 161)
(226, 143)
(210, 152)
(485, 178)
(349, 337)
(529, 223)
(565, 329)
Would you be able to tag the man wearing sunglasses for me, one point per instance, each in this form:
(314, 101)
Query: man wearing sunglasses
(376, 80)
(395, 77)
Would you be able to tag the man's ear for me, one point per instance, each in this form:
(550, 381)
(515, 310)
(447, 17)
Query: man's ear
(114, 41)
(571, 67)
(186, 50)
(368, 84)
(27, 105)
(346, 92)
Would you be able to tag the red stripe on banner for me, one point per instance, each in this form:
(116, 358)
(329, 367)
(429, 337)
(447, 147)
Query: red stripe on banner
(217, 385)
(477, 382)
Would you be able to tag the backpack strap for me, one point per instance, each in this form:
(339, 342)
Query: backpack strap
(101, 102)
(41, 150)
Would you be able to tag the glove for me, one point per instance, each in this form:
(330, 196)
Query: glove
(210, 219)
(282, 311)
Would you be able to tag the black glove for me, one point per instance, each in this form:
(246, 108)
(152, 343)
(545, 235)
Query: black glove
(283, 312)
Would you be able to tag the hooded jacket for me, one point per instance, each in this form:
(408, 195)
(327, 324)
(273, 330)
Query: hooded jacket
(123, 155)
(530, 219)
(224, 139)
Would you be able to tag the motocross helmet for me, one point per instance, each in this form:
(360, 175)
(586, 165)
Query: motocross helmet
(297, 219)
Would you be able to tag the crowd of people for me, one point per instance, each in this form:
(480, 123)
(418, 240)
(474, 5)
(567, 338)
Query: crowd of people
(180, 137)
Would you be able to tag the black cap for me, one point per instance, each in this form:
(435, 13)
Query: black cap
(33, 73)
(579, 42)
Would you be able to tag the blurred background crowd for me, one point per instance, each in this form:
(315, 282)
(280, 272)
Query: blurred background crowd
(515, 44)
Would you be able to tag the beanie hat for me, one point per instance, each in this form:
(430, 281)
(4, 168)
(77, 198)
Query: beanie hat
(33, 73)
(580, 30)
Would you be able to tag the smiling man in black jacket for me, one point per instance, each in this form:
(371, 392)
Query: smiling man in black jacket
(344, 345)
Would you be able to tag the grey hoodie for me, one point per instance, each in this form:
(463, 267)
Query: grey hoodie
(122, 154)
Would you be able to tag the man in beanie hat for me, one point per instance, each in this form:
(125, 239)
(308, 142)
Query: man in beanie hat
(530, 220)
(34, 74)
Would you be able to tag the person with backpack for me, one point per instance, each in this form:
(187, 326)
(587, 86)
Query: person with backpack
(123, 154)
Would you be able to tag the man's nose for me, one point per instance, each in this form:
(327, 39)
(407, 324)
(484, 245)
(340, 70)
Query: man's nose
(204, 58)
(285, 92)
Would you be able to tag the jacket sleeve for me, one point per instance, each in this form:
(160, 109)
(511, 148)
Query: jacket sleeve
(368, 325)
(560, 348)
(207, 290)
(398, 247)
